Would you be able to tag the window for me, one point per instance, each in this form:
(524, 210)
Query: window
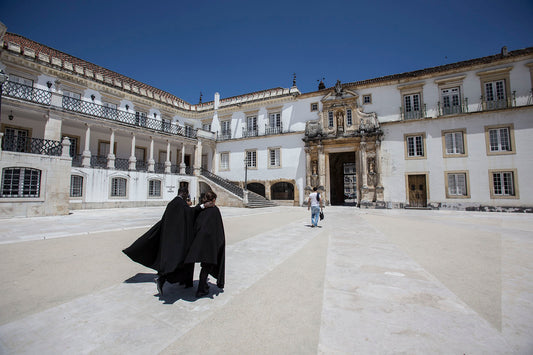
(17, 140)
(118, 187)
(226, 129)
(206, 127)
(495, 88)
(154, 188)
(454, 143)
(251, 126)
(314, 106)
(330, 119)
(456, 185)
(140, 118)
(274, 123)
(500, 139)
(22, 88)
(21, 182)
(251, 158)
(224, 161)
(189, 131)
(165, 125)
(415, 145)
(274, 157)
(412, 108)
(76, 186)
(367, 99)
(495, 94)
(503, 183)
(451, 101)
(349, 120)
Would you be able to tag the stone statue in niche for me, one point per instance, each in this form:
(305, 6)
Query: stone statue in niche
(371, 177)
(314, 173)
(340, 121)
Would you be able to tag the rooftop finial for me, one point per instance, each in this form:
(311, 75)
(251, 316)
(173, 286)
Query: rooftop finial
(293, 79)
(321, 85)
(201, 97)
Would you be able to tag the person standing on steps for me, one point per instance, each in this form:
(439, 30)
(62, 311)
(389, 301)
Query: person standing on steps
(315, 205)
(165, 246)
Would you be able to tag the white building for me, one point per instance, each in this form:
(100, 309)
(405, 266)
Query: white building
(454, 136)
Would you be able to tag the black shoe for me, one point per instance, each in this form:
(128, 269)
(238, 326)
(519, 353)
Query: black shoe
(200, 294)
(159, 282)
(220, 286)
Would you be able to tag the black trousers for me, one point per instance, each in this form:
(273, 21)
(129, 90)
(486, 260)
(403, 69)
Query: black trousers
(204, 274)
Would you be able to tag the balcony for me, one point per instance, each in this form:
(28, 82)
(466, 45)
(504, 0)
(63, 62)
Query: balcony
(26, 93)
(488, 104)
(412, 113)
(449, 109)
(273, 129)
(40, 146)
(250, 133)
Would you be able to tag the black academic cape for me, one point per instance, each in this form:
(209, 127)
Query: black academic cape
(164, 247)
(209, 244)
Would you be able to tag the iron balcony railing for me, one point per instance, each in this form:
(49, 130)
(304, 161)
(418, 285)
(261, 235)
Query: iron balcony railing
(496, 104)
(27, 93)
(224, 136)
(98, 161)
(12, 143)
(277, 129)
(249, 133)
(159, 168)
(122, 164)
(130, 118)
(228, 185)
(450, 109)
(413, 114)
(77, 160)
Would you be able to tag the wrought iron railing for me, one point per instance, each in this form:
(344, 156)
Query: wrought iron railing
(122, 164)
(12, 143)
(249, 133)
(141, 165)
(487, 105)
(447, 109)
(175, 169)
(27, 93)
(413, 114)
(189, 170)
(226, 184)
(224, 136)
(159, 168)
(98, 161)
(273, 129)
(130, 118)
(77, 160)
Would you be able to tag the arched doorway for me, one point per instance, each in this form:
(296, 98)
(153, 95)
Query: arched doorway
(204, 187)
(257, 187)
(282, 191)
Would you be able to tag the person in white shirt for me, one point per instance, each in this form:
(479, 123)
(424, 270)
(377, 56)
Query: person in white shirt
(314, 204)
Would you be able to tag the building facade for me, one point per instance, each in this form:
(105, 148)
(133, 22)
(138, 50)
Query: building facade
(76, 135)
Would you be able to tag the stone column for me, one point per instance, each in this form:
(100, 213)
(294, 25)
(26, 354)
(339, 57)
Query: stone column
(86, 156)
(362, 149)
(182, 164)
(65, 153)
(52, 128)
(321, 167)
(167, 162)
(133, 158)
(379, 188)
(198, 158)
(111, 155)
(151, 161)
(308, 170)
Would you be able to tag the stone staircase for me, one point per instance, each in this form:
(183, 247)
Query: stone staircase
(233, 194)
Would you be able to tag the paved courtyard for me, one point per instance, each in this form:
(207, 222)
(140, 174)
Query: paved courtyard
(365, 282)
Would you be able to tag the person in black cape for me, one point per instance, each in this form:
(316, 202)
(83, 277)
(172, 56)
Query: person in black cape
(165, 246)
(209, 245)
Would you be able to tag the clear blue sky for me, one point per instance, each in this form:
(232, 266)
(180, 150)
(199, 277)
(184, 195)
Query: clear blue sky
(237, 47)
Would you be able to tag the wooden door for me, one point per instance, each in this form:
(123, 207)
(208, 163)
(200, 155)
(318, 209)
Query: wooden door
(417, 191)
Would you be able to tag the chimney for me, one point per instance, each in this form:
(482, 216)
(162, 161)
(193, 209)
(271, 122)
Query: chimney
(505, 53)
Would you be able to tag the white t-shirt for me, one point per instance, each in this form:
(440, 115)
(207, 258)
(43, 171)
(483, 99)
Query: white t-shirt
(314, 201)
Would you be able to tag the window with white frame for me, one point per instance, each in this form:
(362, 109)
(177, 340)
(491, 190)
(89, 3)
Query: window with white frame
(21, 182)
(415, 146)
(226, 129)
(76, 186)
(457, 184)
(503, 183)
(330, 119)
(274, 157)
(189, 130)
(454, 143)
(224, 161)
(206, 127)
(451, 100)
(118, 187)
(349, 120)
(17, 139)
(500, 139)
(274, 123)
(251, 125)
(154, 188)
(495, 96)
(412, 107)
(251, 158)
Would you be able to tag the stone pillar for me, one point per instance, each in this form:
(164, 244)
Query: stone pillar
(52, 128)
(111, 155)
(86, 156)
(198, 158)
(362, 147)
(65, 153)
(182, 164)
(379, 188)
(167, 161)
(151, 161)
(308, 170)
(133, 158)
(321, 167)
(1, 137)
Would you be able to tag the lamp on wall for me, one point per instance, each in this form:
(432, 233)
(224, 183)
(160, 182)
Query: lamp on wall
(11, 117)
(127, 107)
(93, 97)
(49, 84)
